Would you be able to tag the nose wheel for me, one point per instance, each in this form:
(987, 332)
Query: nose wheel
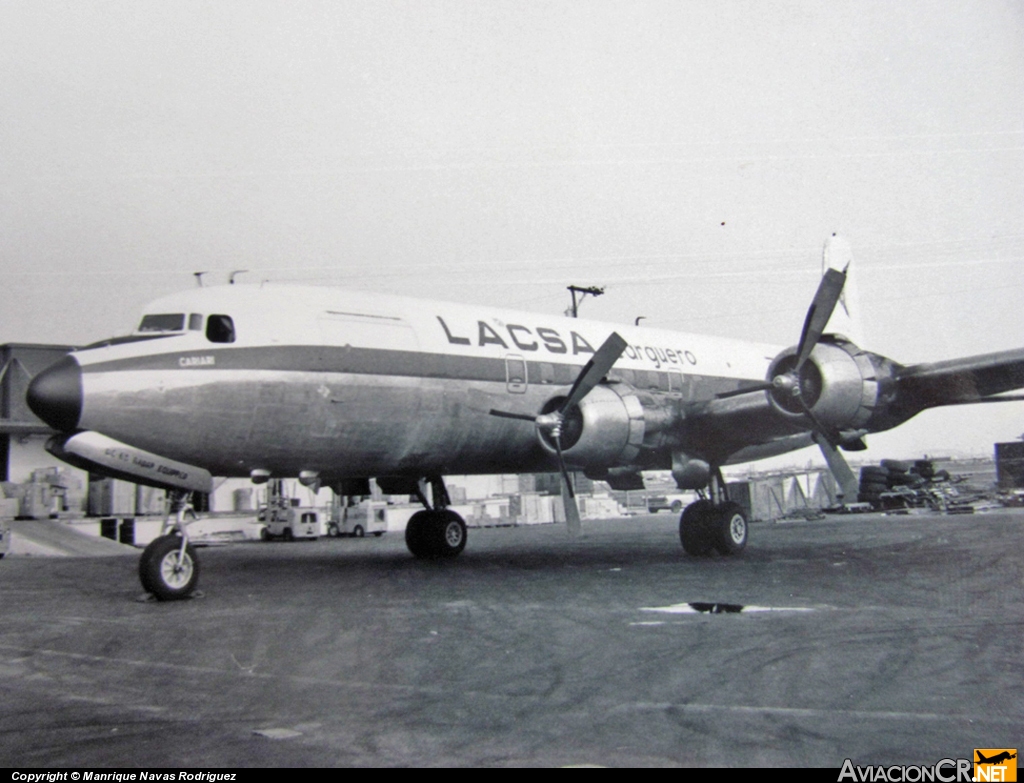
(169, 568)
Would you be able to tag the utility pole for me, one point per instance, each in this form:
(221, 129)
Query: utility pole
(575, 289)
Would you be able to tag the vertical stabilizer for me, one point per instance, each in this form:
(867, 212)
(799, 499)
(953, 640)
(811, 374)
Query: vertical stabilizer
(846, 319)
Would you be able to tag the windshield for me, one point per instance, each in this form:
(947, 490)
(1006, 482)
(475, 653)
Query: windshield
(166, 322)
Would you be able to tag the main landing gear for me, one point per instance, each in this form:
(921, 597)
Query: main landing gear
(437, 532)
(713, 524)
(169, 568)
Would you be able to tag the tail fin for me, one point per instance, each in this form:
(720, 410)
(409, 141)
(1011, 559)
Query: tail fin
(846, 320)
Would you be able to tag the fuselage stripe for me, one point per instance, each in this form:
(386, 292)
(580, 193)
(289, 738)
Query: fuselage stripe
(376, 361)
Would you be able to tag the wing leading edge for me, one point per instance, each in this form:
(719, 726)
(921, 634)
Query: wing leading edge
(963, 381)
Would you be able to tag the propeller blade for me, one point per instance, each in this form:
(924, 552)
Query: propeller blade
(507, 415)
(572, 512)
(840, 468)
(818, 428)
(829, 291)
(745, 390)
(594, 370)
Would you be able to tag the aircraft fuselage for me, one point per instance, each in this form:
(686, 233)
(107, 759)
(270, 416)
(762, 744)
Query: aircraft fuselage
(359, 384)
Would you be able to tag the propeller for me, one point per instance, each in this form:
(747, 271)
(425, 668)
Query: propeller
(552, 422)
(791, 385)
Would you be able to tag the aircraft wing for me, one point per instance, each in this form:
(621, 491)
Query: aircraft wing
(961, 381)
(9, 427)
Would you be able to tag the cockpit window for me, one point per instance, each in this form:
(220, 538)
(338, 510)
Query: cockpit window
(195, 322)
(167, 322)
(220, 329)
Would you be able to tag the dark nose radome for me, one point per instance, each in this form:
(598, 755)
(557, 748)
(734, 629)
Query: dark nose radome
(55, 395)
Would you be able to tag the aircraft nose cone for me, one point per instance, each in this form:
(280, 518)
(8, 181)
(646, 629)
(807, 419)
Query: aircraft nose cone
(55, 395)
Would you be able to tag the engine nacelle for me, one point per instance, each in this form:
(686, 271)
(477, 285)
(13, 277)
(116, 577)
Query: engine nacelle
(609, 427)
(844, 386)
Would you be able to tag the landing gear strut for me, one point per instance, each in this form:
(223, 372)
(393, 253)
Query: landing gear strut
(169, 568)
(437, 532)
(713, 524)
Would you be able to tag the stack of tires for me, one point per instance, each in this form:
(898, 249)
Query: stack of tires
(904, 474)
(892, 473)
(874, 480)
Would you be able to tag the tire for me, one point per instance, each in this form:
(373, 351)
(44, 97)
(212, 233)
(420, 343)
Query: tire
(417, 535)
(435, 535)
(159, 571)
(264, 535)
(333, 531)
(694, 528)
(451, 534)
(288, 535)
(677, 506)
(358, 531)
(896, 465)
(729, 532)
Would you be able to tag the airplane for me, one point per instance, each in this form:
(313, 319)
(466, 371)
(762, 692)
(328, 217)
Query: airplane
(1004, 756)
(337, 387)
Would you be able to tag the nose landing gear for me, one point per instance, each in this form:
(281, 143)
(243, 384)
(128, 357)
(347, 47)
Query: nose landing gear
(169, 568)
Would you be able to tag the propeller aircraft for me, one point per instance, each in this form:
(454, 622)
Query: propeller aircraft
(337, 387)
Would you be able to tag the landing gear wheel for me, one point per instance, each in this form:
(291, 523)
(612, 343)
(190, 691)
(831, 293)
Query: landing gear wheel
(453, 534)
(358, 531)
(162, 575)
(435, 535)
(695, 528)
(729, 529)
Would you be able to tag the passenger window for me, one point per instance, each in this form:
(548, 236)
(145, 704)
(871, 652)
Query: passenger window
(195, 322)
(220, 329)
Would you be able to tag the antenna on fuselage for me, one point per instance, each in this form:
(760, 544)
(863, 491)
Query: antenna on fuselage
(231, 277)
(199, 277)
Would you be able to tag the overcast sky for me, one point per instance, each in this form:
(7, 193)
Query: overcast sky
(692, 157)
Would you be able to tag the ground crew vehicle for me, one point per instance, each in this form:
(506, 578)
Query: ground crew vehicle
(358, 520)
(289, 523)
(673, 503)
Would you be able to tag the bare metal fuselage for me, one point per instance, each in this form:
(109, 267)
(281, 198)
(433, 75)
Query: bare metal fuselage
(351, 385)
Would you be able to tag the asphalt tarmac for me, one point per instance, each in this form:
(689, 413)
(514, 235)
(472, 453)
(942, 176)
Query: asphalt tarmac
(889, 640)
